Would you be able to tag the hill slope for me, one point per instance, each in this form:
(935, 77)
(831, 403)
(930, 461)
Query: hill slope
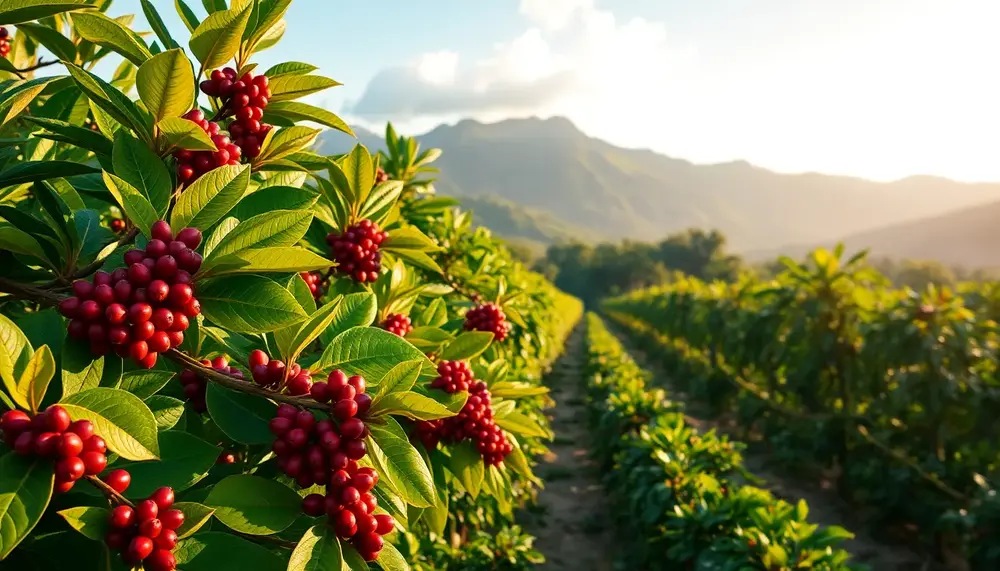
(552, 167)
(966, 238)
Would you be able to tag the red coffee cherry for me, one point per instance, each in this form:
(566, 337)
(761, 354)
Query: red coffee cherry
(397, 324)
(356, 251)
(488, 317)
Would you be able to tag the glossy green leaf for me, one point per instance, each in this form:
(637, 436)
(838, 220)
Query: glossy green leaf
(184, 460)
(80, 370)
(283, 259)
(242, 417)
(144, 384)
(467, 346)
(124, 421)
(217, 39)
(467, 465)
(210, 197)
(390, 559)
(180, 133)
(254, 505)
(35, 378)
(358, 310)
(166, 84)
(140, 167)
(285, 142)
(411, 405)
(34, 171)
(289, 87)
(368, 352)
(167, 411)
(92, 522)
(20, 11)
(520, 424)
(400, 378)
(273, 229)
(248, 304)
(318, 550)
(297, 111)
(25, 490)
(214, 551)
(132, 202)
(195, 517)
(74, 134)
(113, 34)
(111, 101)
(400, 463)
(274, 198)
(290, 68)
(15, 353)
(159, 27)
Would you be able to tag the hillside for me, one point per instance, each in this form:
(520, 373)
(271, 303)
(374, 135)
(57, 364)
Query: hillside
(551, 167)
(967, 238)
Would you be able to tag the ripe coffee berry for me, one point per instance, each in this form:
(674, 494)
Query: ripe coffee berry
(72, 446)
(146, 535)
(397, 324)
(315, 282)
(488, 317)
(356, 250)
(474, 422)
(244, 98)
(4, 42)
(192, 164)
(144, 309)
(453, 376)
(195, 386)
(117, 225)
(273, 374)
(381, 176)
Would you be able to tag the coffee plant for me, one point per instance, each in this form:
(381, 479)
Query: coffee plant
(223, 350)
(891, 393)
(704, 517)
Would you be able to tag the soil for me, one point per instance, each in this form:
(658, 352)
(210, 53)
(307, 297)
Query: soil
(825, 507)
(573, 506)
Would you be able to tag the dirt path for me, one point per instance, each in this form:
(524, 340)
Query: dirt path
(825, 508)
(572, 505)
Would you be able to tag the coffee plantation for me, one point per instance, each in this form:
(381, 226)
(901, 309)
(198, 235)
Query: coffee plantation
(223, 350)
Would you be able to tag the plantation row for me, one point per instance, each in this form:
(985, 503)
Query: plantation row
(679, 495)
(896, 393)
(222, 350)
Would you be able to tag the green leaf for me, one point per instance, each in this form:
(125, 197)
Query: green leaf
(516, 459)
(520, 424)
(17, 96)
(285, 142)
(381, 199)
(79, 136)
(21, 242)
(180, 133)
(144, 384)
(254, 505)
(418, 258)
(195, 517)
(353, 561)
(369, 352)
(289, 68)
(360, 173)
(25, 490)
(92, 522)
(242, 417)
(274, 198)
(184, 460)
(285, 259)
(140, 167)
(80, 370)
(400, 463)
(271, 230)
(112, 34)
(318, 550)
(187, 15)
(34, 381)
(111, 100)
(248, 303)
(216, 40)
(390, 559)
(411, 405)
(15, 353)
(34, 171)
(166, 84)
(358, 310)
(211, 196)
(311, 329)
(213, 551)
(513, 390)
(124, 421)
(409, 238)
(166, 410)
(159, 28)
(401, 377)
(467, 465)
(269, 15)
(467, 346)
(60, 46)
(135, 205)
(20, 11)
(288, 87)
(296, 111)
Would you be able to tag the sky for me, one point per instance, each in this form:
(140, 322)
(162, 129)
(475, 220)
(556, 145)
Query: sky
(881, 89)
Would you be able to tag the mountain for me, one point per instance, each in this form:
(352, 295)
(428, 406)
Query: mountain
(966, 238)
(549, 166)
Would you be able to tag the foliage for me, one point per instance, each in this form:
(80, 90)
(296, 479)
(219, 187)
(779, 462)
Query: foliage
(893, 392)
(680, 493)
(89, 169)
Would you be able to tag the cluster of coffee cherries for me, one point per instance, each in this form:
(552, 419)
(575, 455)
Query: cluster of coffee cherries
(488, 317)
(269, 373)
(117, 225)
(475, 421)
(143, 310)
(52, 434)
(356, 250)
(315, 282)
(192, 164)
(349, 505)
(195, 386)
(398, 324)
(4, 42)
(246, 98)
(147, 533)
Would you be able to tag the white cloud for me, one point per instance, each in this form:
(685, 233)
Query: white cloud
(554, 15)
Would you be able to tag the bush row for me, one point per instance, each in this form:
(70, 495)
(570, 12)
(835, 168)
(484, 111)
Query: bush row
(681, 495)
(892, 394)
